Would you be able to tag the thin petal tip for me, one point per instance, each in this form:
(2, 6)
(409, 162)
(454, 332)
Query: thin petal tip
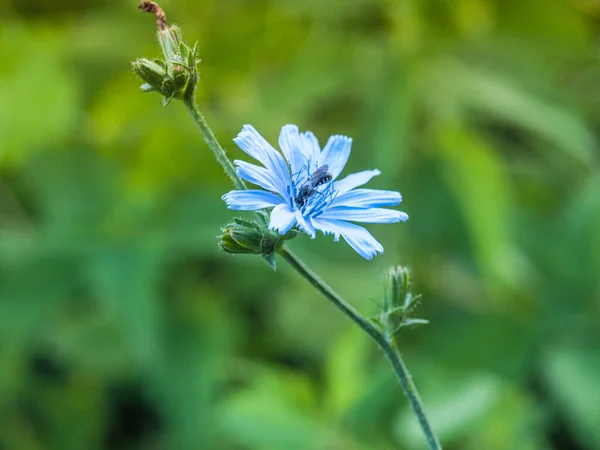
(245, 132)
(342, 137)
(372, 254)
(279, 230)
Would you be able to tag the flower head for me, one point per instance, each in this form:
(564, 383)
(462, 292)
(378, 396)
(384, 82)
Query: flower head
(302, 188)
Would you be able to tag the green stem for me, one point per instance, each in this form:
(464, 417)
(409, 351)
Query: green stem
(393, 354)
(331, 295)
(212, 142)
(190, 103)
(390, 347)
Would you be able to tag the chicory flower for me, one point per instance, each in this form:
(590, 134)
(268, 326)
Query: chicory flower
(302, 187)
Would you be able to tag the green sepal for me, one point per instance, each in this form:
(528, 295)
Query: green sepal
(415, 322)
(167, 99)
(269, 258)
(244, 222)
(290, 235)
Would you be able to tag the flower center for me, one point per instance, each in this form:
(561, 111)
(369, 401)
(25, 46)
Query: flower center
(312, 191)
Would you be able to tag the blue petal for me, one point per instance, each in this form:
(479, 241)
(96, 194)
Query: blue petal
(336, 154)
(297, 148)
(251, 200)
(367, 215)
(251, 142)
(356, 236)
(311, 146)
(368, 198)
(355, 180)
(258, 175)
(305, 225)
(282, 219)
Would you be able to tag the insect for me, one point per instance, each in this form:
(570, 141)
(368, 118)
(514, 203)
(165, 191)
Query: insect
(321, 176)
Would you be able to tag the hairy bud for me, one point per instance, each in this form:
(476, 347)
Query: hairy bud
(176, 75)
(247, 237)
(398, 303)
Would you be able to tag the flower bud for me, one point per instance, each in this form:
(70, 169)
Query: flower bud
(171, 44)
(244, 236)
(398, 303)
(241, 238)
(180, 79)
(151, 72)
(229, 245)
(397, 287)
(170, 82)
(247, 237)
(176, 76)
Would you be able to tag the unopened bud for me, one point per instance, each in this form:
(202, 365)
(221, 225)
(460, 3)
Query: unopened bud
(248, 237)
(398, 303)
(176, 76)
(151, 72)
(228, 244)
(241, 237)
(171, 43)
(397, 287)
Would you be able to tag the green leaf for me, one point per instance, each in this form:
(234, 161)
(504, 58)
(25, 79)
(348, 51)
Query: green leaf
(480, 184)
(572, 376)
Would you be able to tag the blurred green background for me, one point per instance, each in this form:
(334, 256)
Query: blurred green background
(123, 327)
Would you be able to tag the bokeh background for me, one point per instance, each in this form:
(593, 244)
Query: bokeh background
(123, 327)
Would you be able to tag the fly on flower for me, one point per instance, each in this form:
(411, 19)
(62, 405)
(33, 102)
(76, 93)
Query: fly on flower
(318, 178)
(302, 188)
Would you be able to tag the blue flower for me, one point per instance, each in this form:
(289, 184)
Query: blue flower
(302, 188)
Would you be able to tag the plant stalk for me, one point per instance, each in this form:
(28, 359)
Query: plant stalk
(212, 142)
(393, 354)
(389, 347)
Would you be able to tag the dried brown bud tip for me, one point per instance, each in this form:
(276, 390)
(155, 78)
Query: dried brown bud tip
(161, 17)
